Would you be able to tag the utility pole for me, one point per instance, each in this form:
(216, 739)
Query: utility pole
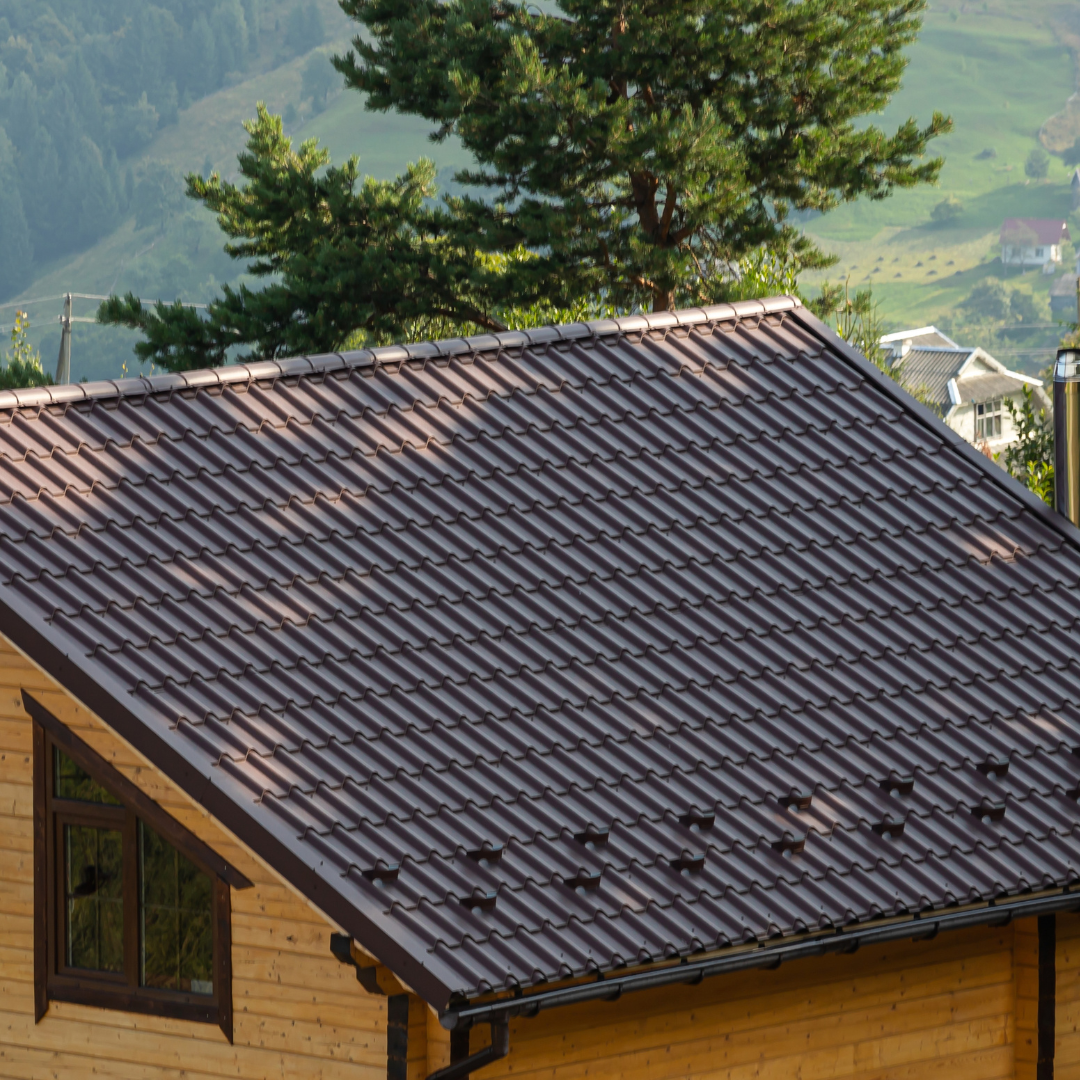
(63, 363)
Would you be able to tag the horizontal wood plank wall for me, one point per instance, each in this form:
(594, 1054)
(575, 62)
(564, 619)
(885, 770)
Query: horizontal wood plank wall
(298, 1013)
(902, 1012)
(1067, 1051)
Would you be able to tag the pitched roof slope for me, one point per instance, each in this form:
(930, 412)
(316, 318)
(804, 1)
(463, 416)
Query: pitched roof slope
(930, 368)
(545, 653)
(1047, 231)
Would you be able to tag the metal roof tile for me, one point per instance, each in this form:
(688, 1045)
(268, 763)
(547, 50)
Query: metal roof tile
(401, 603)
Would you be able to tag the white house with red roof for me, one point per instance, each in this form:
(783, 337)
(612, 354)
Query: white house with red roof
(1028, 242)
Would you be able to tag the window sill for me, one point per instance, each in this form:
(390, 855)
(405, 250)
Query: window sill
(89, 991)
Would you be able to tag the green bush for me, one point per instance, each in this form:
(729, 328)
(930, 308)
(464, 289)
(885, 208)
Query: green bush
(947, 211)
(22, 365)
(1037, 166)
(988, 300)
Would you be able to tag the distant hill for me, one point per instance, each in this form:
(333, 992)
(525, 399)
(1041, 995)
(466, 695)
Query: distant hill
(1001, 68)
(152, 240)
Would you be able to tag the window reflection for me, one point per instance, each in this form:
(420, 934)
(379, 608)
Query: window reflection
(94, 898)
(72, 782)
(176, 930)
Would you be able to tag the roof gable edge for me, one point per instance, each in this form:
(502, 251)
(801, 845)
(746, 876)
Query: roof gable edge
(920, 412)
(94, 693)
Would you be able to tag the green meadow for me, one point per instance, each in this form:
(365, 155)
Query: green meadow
(1000, 70)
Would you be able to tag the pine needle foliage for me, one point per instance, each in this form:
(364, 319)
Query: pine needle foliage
(629, 156)
(645, 148)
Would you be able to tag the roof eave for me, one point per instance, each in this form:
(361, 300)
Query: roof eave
(95, 692)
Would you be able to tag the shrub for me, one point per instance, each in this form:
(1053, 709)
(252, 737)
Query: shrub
(1037, 166)
(947, 211)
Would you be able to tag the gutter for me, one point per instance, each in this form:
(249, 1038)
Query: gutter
(918, 927)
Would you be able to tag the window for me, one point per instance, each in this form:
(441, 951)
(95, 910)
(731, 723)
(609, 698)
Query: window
(133, 910)
(988, 419)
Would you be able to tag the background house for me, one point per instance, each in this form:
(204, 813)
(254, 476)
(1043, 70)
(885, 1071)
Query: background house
(1029, 242)
(658, 697)
(967, 386)
(1063, 298)
(900, 343)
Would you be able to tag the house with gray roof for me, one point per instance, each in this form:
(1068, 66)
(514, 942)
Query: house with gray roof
(1063, 298)
(967, 386)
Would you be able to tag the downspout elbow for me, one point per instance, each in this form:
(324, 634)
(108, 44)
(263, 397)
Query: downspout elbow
(499, 1048)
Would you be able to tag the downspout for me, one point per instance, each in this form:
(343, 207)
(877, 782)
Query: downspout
(462, 1063)
(1067, 434)
(1047, 1019)
(499, 1048)
(1067, 503)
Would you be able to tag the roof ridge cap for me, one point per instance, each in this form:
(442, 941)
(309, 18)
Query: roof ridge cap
(232, 374)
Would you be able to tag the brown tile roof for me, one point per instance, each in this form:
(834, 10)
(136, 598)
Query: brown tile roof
(545, 653)
(1046, 231)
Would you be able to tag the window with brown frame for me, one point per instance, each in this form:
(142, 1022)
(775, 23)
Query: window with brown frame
(133, 909)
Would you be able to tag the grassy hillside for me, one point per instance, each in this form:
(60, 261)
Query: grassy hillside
(1000, 68)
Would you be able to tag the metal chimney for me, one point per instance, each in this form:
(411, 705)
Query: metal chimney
(1067, 434)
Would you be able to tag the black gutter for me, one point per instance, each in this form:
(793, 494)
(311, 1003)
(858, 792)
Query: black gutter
(765, 956)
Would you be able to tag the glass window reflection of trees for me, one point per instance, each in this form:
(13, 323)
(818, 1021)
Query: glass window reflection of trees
(176, 931)
(174, 899)
(94, 898)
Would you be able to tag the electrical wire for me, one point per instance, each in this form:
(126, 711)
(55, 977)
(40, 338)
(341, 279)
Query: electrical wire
(20, 304)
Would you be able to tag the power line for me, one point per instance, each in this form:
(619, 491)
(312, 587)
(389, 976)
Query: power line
(67, 318)
(24, 303)
(89, 296)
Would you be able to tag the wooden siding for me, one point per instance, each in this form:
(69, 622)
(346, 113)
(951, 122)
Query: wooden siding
(1067, 1023)
(298, 1013)
(960, 1007)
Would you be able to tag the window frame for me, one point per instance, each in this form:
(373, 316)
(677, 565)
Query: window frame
(53, 980)
(993, 414)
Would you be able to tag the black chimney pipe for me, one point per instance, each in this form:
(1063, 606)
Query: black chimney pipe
(1067, 434)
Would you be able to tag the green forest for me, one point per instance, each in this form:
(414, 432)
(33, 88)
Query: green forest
(85, 85)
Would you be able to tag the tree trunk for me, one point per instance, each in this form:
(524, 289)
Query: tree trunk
(663, 300)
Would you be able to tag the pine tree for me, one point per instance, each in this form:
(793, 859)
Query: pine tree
(644, 147)
(317, 79)
(16, 251)
(342, 256)
(230, 36)
(202, 58)
(629, 155)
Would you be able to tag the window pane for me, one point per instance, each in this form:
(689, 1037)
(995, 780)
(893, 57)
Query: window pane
(94, 898)
(73, 783)
(176, 930)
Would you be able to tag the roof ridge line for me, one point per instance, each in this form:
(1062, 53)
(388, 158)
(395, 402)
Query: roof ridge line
(233, 374)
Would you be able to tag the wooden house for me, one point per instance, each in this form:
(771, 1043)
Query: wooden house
(662, 697)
